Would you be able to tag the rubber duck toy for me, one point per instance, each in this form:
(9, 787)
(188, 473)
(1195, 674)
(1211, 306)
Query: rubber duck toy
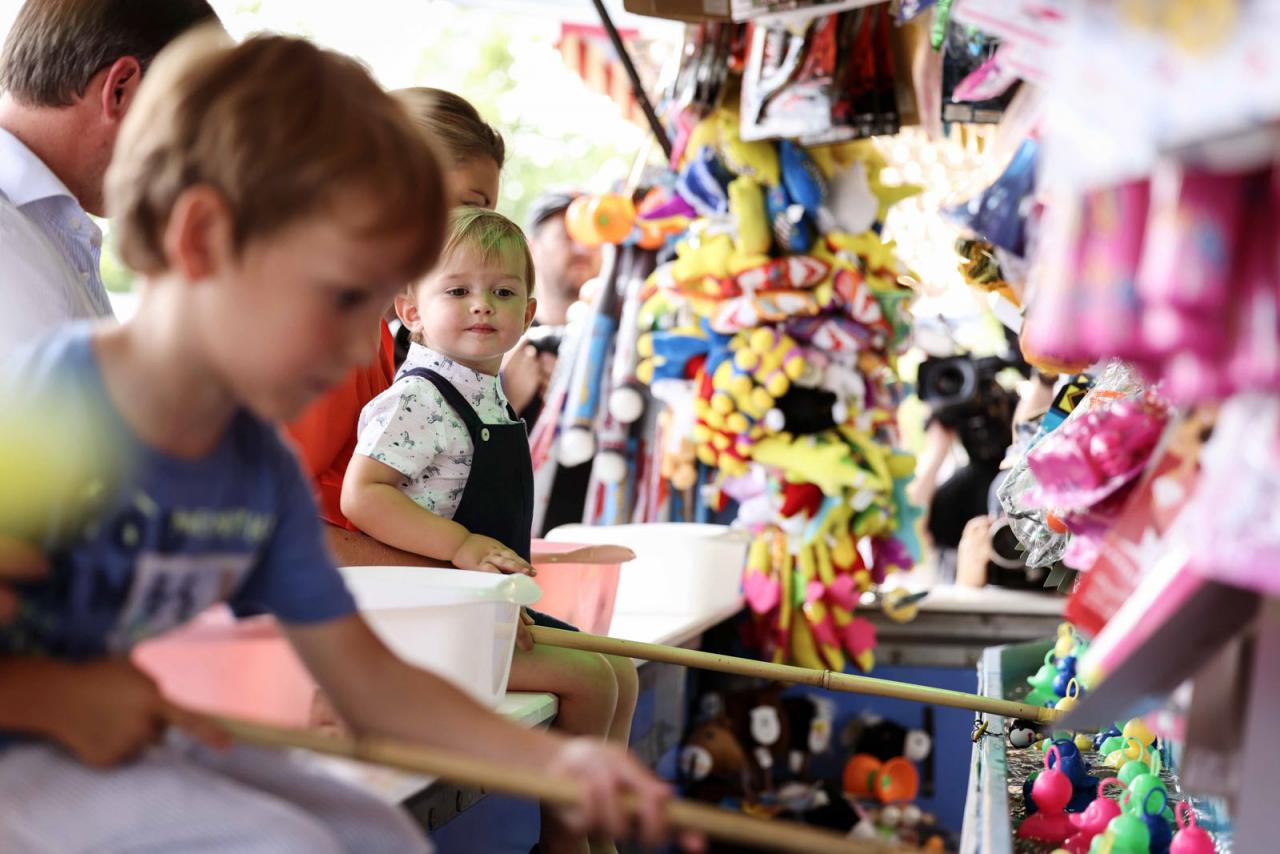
(1071, 697)
(1124, 835)
(1051, 792)
(1190, 838)
(1152, 807)
(1094, 820)
(1112, 731)
(1041, 682)
(1140, 789)
(1066, 674)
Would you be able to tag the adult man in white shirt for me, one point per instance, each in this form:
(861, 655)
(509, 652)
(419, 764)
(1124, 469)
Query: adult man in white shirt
(68, 72)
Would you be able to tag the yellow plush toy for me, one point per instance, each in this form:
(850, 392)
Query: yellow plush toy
(756, 159)
(825, 462)
(746, 205)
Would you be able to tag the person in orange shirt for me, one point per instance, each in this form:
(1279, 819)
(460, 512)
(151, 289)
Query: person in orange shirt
(325, 434)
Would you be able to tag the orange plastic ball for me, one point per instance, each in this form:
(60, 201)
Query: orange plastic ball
(580, 223)
(613, 216)
(898, 781)
(859, 775)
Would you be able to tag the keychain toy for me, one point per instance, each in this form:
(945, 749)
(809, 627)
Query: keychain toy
(1124, 835)
(1190, 838)
(1051, 792)
(1094, 820)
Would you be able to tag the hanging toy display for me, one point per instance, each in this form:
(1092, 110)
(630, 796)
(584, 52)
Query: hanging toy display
(829, 78)
(769, 338)
(1173, 272)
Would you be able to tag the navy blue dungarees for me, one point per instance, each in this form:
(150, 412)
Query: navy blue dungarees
(497, 501)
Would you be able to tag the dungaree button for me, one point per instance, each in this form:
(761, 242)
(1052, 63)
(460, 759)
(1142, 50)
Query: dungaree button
(484, 434)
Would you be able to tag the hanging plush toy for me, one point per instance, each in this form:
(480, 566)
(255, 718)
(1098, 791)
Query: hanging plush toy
(770, 336)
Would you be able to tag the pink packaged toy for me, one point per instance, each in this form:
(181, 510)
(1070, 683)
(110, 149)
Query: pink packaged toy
(1088, 459)
(1112, 232)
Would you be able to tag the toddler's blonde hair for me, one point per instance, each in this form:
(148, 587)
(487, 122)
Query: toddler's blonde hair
(492, 237)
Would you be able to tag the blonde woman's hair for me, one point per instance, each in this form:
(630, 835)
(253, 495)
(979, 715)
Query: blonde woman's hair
(454, 124)
(282, 130)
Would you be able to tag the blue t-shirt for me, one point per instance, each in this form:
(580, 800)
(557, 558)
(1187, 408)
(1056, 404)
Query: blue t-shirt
(157, 538)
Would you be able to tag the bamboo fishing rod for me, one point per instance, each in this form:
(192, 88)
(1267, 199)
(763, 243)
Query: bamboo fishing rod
(826, 679)
(711, 821)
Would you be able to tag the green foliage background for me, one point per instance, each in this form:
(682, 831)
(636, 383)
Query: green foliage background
(470, 51)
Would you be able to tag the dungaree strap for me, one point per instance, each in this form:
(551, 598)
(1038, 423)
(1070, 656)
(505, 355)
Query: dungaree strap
(453, 397)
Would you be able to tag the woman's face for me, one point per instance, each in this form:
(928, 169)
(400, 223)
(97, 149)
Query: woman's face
(474, 182)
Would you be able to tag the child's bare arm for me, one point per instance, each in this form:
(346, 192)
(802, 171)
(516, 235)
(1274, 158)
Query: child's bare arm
(352, 548)
(104, 712)
(372, 500)
(375, 692)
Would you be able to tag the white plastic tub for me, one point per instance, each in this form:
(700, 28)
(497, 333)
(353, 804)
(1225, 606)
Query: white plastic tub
(679, 568)
(459, 625)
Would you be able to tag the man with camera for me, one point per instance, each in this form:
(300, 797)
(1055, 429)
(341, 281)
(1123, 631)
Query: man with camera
(968, 404)
(561, 267)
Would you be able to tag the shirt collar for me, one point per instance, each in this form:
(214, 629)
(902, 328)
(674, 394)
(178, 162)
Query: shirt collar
(24, 177)
(471, 383)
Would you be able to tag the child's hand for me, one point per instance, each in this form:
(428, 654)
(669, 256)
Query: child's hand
(524, 640)
(522, 376)
(111, 711)
(606, 774)
(486, 554)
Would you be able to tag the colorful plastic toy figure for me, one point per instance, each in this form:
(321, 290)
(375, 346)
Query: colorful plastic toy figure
(1093, 820)
(1051, 792)
(1190, 838)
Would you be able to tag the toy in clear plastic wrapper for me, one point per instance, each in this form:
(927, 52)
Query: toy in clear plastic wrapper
(1047, 533)
(965, 50)
(826, 79)
(1090, 458)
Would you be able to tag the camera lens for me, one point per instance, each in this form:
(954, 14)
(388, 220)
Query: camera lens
(948, 382)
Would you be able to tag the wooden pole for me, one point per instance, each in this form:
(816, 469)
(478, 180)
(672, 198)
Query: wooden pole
(495, 777)
(826, 679)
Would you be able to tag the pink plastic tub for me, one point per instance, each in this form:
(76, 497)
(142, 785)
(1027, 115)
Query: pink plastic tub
(240, 668)
(459, 625)
(582, 595)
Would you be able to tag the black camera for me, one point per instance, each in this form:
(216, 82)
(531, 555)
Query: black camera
(545, 339)
(965, 397)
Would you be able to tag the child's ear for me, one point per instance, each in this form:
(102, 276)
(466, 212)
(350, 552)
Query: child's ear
(199, 237)
(407, 311)
(529, 311)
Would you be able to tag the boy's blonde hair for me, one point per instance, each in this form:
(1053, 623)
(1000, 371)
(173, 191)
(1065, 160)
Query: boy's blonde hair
(492, 236)
(454, 125)
(282, 130)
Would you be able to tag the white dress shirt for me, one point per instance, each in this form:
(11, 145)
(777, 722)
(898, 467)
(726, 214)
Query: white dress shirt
(49, 250)
(413, 429)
